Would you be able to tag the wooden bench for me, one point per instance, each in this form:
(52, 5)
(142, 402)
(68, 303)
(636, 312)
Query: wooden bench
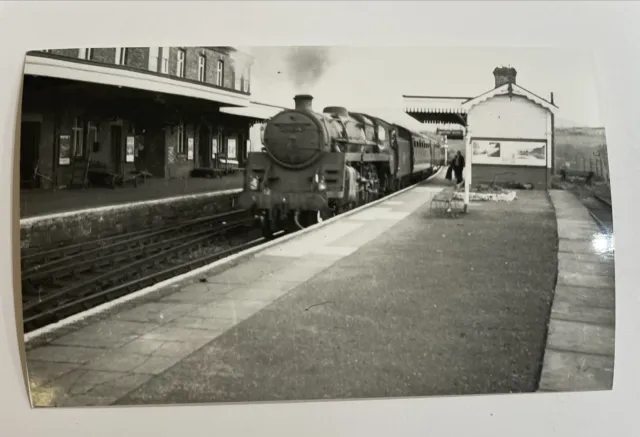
(111, 179)
(214, 172)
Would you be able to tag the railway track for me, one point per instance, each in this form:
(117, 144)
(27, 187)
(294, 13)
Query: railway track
(56, 285)
(60, 282)
(598, 206)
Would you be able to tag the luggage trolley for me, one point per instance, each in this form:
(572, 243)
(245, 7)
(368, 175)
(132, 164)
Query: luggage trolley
(445, 203)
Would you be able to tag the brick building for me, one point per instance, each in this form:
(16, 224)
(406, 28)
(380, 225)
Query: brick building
(122, 110)
(506, 133)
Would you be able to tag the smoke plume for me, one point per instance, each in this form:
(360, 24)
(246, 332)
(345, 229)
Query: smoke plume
(306, 65)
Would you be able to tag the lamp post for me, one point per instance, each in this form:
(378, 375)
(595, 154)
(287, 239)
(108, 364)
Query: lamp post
(467, 173)
(446, 149)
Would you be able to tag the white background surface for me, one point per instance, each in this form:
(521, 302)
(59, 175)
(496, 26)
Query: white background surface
(610, 28)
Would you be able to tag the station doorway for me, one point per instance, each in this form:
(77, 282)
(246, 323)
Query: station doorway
(116, 148)
(204, 148)
(29, 154)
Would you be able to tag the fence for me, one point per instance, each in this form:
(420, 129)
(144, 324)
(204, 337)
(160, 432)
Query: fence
(581, 164)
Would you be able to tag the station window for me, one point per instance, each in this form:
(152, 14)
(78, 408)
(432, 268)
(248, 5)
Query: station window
(220, 73)
(164, 61)
(92, 137)
(180, 64)
(77, 139)
(238, 81)
(121, 56)
(202, 63)
(180, 143)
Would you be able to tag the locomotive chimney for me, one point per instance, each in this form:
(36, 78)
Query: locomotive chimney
(303, 102)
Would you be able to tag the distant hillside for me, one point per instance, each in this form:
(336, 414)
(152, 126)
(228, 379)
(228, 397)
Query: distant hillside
(563, 122)
(577, 144)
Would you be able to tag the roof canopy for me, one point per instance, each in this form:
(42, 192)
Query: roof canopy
(255, 110)
(434, 105)
(397, 117)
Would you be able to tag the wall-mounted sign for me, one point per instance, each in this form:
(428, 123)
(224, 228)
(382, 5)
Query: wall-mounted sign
(449, 132)
(131, 146)
(171, 154)
(246, 152)
(190, 149)
(509, 153)
(214, 147)
(64, 157)
(231, 148)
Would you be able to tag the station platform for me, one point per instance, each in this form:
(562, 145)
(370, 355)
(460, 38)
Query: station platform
(580, 347)
(74, 215)
(390, 301)
(36, 203)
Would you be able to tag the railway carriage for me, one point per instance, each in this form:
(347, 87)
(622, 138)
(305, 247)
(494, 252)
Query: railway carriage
(315, 165)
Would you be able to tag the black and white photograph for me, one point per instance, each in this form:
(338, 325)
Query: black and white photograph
(220, 224)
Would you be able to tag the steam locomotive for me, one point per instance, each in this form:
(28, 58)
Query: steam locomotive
(315, 165)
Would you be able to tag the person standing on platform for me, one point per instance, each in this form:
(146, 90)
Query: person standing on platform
(458, 166)
(449, 174)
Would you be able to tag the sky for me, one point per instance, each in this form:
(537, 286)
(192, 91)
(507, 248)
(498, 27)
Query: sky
(377, 77)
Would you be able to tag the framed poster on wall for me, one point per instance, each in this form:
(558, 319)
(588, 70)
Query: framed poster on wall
(526, 153)
(131, 146)
(248, 149)
(231, 148)
(214, 147)
(190, 149)
(64, 157)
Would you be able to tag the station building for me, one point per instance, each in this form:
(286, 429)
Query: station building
(505, 133)
(161, 111)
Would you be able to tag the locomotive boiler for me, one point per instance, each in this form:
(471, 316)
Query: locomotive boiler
(317, 164)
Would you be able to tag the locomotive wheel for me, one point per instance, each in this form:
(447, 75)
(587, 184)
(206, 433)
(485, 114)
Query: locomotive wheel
(390, 184)
(310, 218)
(325, 214)
(267, 228)
(290, 224)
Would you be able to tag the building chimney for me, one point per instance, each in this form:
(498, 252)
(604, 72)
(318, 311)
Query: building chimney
(552, 102)
(504, 75)
(303, 102)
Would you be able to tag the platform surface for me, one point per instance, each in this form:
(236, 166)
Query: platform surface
(581, 343)
(390, 301)
(34, 203)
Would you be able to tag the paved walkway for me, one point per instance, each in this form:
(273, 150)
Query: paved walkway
(41, 202)
(581, 341)
(389, 301)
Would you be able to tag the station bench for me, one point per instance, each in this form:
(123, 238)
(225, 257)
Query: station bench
(113, 180)
(215, 172)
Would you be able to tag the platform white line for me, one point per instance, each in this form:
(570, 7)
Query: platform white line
(160, 285)
(308, 243)
(30, 221)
